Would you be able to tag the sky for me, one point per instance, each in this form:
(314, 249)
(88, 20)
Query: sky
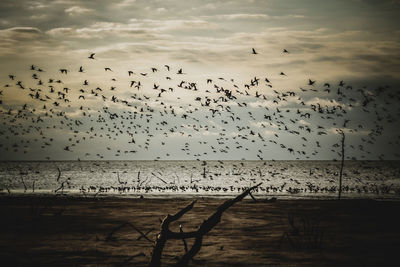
(357, 42)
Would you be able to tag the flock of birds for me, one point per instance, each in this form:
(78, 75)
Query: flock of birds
(223, 178)
(219, 114)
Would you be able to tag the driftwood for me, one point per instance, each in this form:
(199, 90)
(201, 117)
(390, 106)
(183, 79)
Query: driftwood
(208, 224)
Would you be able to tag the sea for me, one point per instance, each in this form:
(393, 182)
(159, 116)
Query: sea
(186, 179)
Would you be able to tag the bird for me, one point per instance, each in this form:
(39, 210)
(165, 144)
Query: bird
(254, 51)
(91, 56)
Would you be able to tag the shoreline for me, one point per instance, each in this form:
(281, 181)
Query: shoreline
(259, 197)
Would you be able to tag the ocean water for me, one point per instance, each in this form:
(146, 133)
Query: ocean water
(282, 179)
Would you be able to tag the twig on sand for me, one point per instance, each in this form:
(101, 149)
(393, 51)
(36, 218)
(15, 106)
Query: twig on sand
(145, 234)
(110, 235)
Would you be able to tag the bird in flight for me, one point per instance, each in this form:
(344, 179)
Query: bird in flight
(310, 82)
(285, 51)
(254, 51)
(92, 56)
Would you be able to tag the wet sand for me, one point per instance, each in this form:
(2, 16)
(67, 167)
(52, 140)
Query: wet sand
(64, 231)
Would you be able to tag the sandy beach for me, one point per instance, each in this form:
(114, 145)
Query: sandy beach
(65, 231)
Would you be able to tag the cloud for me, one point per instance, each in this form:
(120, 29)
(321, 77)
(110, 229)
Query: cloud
(324, 102)
(304, 122)
(145, 28)
(269, 132)
(57, 32)
(173, 24)
(19, 34)
(28, 30)
(263, 124)
(77, 10)
(98, 30)
(242, 16)
(349, 131)
(126, 3)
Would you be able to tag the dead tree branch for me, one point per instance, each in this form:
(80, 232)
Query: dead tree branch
(165, 234)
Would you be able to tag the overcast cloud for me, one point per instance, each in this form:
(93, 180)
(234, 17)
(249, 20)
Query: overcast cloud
(328, 41)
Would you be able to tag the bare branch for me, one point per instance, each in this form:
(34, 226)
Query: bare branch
(208, 224)
(163, 236)
(204, 228)
(183, 239)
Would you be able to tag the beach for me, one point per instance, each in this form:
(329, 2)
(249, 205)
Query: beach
(75, 231)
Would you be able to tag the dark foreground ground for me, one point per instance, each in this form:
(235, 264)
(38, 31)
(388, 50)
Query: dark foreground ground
(60, 231)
